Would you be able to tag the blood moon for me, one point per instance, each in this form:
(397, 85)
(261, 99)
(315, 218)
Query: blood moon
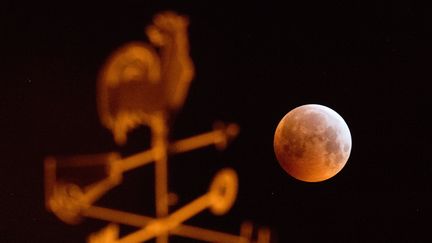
(312, 143)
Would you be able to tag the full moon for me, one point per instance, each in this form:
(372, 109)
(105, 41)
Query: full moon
(312, 143)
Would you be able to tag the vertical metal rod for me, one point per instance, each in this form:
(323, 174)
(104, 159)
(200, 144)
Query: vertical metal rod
(160, 148)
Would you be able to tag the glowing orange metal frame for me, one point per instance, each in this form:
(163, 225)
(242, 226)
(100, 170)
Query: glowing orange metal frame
(143, 86)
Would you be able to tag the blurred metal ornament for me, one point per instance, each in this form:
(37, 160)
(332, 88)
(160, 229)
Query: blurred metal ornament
(143, 84)
(140, 81)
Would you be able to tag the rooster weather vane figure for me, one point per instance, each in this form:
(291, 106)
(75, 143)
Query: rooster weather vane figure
(144, 84)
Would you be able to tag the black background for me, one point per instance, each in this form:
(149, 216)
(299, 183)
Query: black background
(254, 61)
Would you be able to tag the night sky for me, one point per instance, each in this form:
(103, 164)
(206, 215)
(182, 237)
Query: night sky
(254, 62)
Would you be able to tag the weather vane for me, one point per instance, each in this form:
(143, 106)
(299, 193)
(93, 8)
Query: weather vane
(145, 84)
